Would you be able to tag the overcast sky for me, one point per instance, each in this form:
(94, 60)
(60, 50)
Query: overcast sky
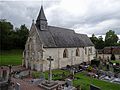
(84, 16)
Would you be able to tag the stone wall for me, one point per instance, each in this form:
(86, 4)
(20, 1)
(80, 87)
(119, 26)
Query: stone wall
(72, 59)
(35, 56)
(106, 56)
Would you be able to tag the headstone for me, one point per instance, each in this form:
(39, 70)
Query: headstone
(118, 75)
(68, 82)
(42, 77)
(3, 85)
(17, 86)
(50, 71)
(49, 85)
(4, 74)
(108, 67)
(110, 74)
(93, 87)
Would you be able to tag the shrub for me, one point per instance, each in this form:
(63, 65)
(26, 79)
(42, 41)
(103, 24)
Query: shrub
(89, 68)
(36, 74)
(95, 62)
(113, 57)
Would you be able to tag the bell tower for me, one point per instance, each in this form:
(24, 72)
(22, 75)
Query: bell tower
(41, 21)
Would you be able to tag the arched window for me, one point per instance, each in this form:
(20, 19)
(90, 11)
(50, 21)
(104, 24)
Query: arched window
(90, 50)
(77, 52)
(65, 53)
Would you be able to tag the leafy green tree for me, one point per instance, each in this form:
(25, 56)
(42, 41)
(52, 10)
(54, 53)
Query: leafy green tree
(100, 43)
(111, 38)
(21, 36)
(94, 39)
(113, 57)
(12, 39)
(6, 29)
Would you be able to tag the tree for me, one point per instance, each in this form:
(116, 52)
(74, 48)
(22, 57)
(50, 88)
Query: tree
(10, 38)
(112, 57)
(94, 39)
(6, 29)
(111, 38)
(100, 44)
(21, 36)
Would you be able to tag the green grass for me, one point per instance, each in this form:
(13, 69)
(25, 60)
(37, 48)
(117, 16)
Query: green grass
(36, 74)
(115, 61)
(85, 81)
(57, 72)
(11, 57)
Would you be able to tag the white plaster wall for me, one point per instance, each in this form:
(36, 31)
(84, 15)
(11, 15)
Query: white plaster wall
(72, 59)
(117, 57)
(89, 55)
(57, 54)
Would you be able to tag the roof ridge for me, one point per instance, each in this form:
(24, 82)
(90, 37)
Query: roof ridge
(61, 28)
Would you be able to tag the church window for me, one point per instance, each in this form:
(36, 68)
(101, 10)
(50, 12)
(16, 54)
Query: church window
(90, 50)
(77, 52)
(65, 53)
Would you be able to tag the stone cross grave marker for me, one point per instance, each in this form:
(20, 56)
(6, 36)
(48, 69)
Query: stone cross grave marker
(50, 72)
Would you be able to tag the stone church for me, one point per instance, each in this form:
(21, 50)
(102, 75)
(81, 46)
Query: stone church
(64, 46)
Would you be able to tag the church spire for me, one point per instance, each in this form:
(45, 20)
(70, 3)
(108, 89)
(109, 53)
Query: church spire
(41, 15)
(41, 21)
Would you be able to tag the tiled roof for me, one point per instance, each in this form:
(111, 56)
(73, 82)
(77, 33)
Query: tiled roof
(61, 37)
(109, 50)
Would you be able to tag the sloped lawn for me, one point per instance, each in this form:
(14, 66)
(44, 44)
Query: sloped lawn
(82, 80)
(85, 81)
(11, 57)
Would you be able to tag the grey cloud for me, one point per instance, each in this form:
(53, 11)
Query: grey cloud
(98, 18)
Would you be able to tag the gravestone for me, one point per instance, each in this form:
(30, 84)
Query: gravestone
(42, 77)
(49, 84)
(4, 85)
(118, 75)
(69, 82)
(4, 74)
(17, 86)
(93, 87)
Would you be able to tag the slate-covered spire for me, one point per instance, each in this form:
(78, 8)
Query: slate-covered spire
(41, 21)
(41, 15)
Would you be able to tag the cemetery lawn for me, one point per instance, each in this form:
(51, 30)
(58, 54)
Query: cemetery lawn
(11, 57)
(85, 81)
(116, 61)
(57, 74)
(81, 79)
